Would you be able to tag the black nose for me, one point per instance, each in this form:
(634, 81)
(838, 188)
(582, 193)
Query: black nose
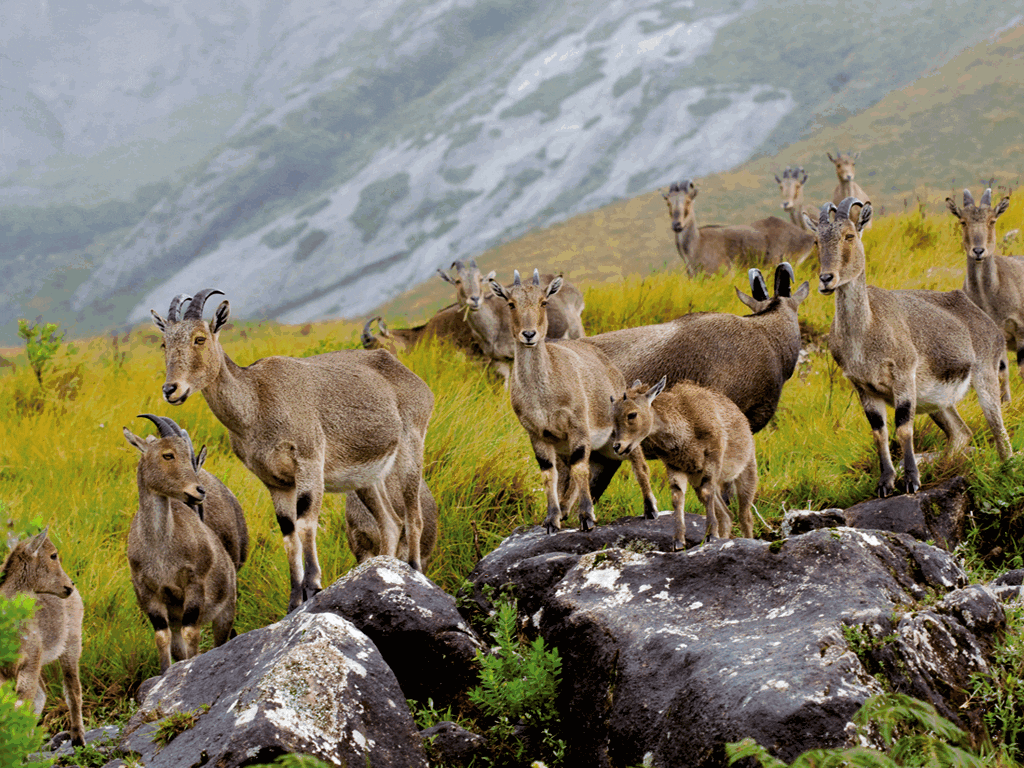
(528, 335)
(68, 591)
(826, 278)
(677, 227)
(169, 389)
(978, 252)
(201, 491)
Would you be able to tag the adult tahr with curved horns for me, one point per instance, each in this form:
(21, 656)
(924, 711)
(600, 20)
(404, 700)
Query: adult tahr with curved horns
(351, 420)
(993, 282)
(918, 351)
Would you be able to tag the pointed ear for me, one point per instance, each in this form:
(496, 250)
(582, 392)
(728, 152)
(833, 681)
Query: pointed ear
(554, 287)
(811, 223)
(135, 440)
(951, 205)
(491, 275)
(829, 156)
(748, 300)
(865, 216)
(1003, 205)
(498, 289)
(158, 321)
(445, 277)
(201, 458)
(802, 292)
(656, 390)
(37, 542)
(220, 317)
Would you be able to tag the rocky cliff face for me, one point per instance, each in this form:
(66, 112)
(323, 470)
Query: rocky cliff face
(374, 142)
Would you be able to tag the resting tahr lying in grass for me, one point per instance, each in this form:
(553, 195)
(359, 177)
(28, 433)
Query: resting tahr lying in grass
(701, 437)
(918, 351)
(54, 633)
(562, 394)
(182, 574)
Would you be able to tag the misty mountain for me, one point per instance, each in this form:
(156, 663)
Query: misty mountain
(314, 159)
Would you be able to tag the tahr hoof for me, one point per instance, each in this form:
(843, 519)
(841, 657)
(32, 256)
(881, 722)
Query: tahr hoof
(678, 546)
(551, 528)
(649, 515)
(586, 524)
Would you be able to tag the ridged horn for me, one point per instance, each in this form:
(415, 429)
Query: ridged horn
(169, 428)
(367, 336)
(758, 287)
(516, 280)
(784, 279)
(174, 313)
(195, 309)
(986, 197)
(536, 276)
(826, 209)
(843, 211)
(968, 199)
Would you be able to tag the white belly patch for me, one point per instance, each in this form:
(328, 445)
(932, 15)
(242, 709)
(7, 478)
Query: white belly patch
(357, 476)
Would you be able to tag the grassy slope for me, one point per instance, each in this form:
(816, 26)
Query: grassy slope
(949, 130)
(69, 466)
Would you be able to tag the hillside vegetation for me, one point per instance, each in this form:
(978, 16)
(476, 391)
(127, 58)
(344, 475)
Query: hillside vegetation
(65, 462)
(956, 127)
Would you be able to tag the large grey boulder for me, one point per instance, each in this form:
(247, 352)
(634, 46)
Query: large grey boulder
(414, 624)
(668, 656)
(310, 684)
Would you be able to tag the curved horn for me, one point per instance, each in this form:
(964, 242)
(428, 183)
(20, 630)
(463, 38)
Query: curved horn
(986, 197)
(516, 280)
(843, 211)
(673, 187)
(195, 309)
(173, 314)
(367, 336)
(164, 425)
(778, 180)
(536, 276)
(968, 198)
(758, 287)
(784, 279)
(826, 209)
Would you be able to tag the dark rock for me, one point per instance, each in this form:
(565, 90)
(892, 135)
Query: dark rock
(666, 657)
(310, 684)
(534, 561)
(450, 744)
(414, 624)
(797, 521)
(937, 514)
(1008, 586)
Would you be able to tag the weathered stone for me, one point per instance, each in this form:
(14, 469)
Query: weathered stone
(310, 684)
(937, 514)
(534, 560)
(452, 745)
(414, 624)
(666, 657)
(797, 521)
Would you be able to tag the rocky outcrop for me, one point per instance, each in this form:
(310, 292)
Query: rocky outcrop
(311, 684)
(666, 657)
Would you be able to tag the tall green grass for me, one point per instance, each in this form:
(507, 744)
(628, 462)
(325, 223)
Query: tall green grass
(64, 461)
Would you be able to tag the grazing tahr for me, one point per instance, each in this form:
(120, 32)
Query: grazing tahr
(701, 437)
(446, 323)
(918, 351)
(845, 171)
(54, 633)
(791, 187)
(562, 394)
(342, 421)
(487, 316)
(712, 247)
(183, 574)
(748, 359)
(993, 282)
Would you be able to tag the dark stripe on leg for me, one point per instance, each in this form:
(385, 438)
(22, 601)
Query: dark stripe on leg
(903, 414)
(875, 420)
(544, 464)
(190, 616)
(304, 503)
(158, 621)
(577, 455)
(287, 525)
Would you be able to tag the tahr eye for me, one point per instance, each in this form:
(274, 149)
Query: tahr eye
(511, 305)
(632, 416)
(53, 556)
(162, 345)
(169, 456)
(849, 236)
(200, 340)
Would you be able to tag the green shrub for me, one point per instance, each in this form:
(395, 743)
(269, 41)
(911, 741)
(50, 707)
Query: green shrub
(19, 735)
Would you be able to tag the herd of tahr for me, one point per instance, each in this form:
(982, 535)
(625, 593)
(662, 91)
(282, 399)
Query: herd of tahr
(690, 392)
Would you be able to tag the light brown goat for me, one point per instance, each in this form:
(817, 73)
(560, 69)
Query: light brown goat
(183, 575)
(54, 633)
(916, 350)
(701, 437)
(488, 318)
(446, 323)
(993, 282)
(791, 186)
(562, 395)
(337, 422)
(711, 248)
(845, 171)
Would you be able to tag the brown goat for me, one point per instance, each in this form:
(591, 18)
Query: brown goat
(54, 633)
(712, 247)
(337, 422)
(182, 574)
(701, 437)
(847, 187)
(916, 350)
(446, 323)
(791, 186)
(993, 282)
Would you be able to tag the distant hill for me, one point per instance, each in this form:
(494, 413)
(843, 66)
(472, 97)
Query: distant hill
(958, 126)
